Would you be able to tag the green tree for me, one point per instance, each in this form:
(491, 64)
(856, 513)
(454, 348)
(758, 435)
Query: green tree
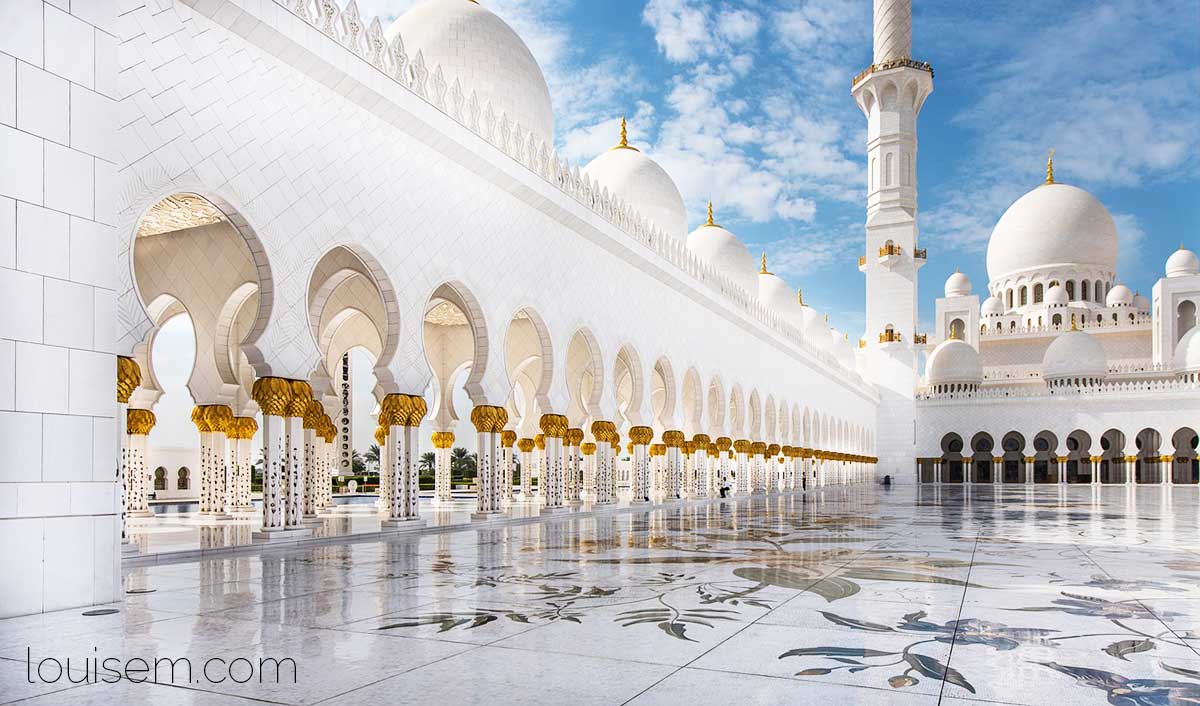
(462, 464)
(357, 465)
(425, 467)
(372, 455)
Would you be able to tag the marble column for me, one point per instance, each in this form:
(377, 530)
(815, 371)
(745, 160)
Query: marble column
(1130, 470)
(741, 448)
(937, 471)
(997, 470)
(758, 465)
(771, 468)
(639, 482)
(243, 429)
(525, 444)
(138, 423)
(700, 465)
(539, 464)
(1062, 470)
(574, 470)
(604, 432)
(443, 443)
(310, 422)
(508, 439)
(402, 415)
(552, 485)
(1166, 470)
(614, 455)
(588, 450)
(1029, 470)
(724, 459)
(274, 396)
(129, 376)
(1096, 461)
(687, 452)
(294, 474)
(385, 475)
(211, 420)
(673, 440)
(658, 482)
(489, 421)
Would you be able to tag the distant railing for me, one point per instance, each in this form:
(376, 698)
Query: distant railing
(892, 64)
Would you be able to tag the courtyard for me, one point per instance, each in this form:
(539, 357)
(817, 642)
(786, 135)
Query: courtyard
(851, 595)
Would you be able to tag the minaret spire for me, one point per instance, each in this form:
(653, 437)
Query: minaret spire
(623, 144)
(710, 222)
(762, 270)
(1050, 167)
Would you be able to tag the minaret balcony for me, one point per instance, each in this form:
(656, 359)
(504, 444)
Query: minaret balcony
(890, 255)
(889, 336)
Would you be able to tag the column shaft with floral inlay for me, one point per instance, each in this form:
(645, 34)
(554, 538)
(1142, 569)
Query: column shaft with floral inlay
(525, 446)
(129, 376)
(294, 473)
(274, 396)
(489, 421)
(138, 423)
(639, 482)
(443, 444)
(574, 461)
(402, 414)
(553, 482)
(508, 439)
(605, 434)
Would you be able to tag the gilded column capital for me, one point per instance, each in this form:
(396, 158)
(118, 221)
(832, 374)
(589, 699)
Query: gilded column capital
(603, 431)
(216, 417)
(741, 446)
(139, 421)
(587, 448)
(673, 438)
(129, 376)
(640, 436)
(574, 436)
(508, 437)
(997, 459)
(629, 448)
(401, 410)
(1131, 459)
(553, 426)
(773, 450)
(200, 420)
(701, 440)
(525, 444)
(713, 451)
(488, 419)
(380, 435)
(273, 395)
(442, 439)
(313, 415)
(1097, 459)
(301, 398)
(758, 448)
(689, 447)
(658, 449)
(1062, 459)
(724, 443)
(539, 441)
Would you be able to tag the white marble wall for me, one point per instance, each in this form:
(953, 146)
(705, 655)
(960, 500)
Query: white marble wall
(58, 503)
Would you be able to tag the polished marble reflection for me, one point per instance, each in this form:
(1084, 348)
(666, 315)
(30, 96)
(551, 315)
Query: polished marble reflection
(855, 595)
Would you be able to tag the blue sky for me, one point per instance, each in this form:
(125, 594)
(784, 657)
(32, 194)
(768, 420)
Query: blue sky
(747, 103)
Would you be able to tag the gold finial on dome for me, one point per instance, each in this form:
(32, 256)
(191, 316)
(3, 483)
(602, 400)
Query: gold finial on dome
(1050, 167)
(1074, 326)
(624, 143)
(710, 221)
(762, 269)
(799, 296)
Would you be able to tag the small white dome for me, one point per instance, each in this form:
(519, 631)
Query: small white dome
(958, 285)
(1119, 295)
(1057, 296)
(1053, 225)
(954, 362)
(1187, 352)
(1140, 302)
(642, 184)
(777, 296)
(1074, 354)
(475, 46)
(815, 330)
(723, 251)
(992, 306)
(1182, 263)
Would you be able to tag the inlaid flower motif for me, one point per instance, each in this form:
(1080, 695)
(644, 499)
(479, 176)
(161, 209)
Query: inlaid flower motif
(1133, 692)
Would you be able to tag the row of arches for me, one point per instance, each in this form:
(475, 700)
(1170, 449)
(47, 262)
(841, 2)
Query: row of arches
(1108, 457)
(1082, 290)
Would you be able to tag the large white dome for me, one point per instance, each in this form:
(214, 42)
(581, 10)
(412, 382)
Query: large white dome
(643, 184)
(1055, 224)
(1187, 352)
(1119, 295)
(777, 296)
(1074, 354)
(1183, 262)
(724, 252)
(954, 361)
(479, 49)
(992, 306)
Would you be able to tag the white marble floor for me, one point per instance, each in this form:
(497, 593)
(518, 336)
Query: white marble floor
(856, 595)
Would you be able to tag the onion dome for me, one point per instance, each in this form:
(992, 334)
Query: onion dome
(776, 295)
(1057, 296)
(640, 182)
(1140, 303)
(1183, 262)
(1187, 352)
(815, 330)
(1074, 358)
(958, 285)
(992, 306)
(1053, 225)
(1119, 295)
(473, 45)
(724, 252)
(954, 362)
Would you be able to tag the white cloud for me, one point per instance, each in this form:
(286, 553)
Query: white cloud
(680, 27)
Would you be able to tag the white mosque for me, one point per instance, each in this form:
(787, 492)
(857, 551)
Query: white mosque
(300, 181)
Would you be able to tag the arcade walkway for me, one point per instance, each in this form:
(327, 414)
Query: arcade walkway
(852, 595)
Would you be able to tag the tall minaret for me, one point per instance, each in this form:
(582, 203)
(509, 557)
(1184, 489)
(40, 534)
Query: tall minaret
(890, 93)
